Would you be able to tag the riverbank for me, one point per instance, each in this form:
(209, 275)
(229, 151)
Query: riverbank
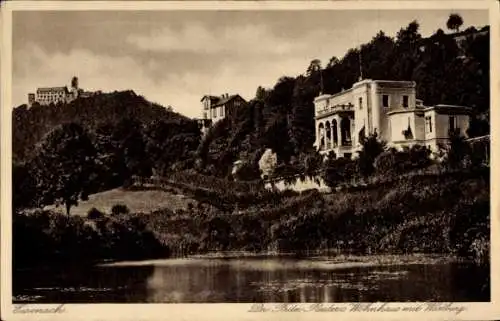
(443, 215)
(286, 261)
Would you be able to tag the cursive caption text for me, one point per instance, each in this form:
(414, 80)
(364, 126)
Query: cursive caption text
(31, 309)
(360, 307)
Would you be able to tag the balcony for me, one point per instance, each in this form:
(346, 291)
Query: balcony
(335, 109)
(332, 145)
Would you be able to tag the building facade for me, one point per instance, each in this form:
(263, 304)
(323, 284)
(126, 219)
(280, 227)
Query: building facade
(54, 95)
(216, 108)
(388, 108)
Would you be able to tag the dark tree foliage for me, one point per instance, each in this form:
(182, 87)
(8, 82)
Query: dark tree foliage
(454, 22)
(65, 166)
(457, 151)
(23, 186)
(124, 136)
(372, 147)
(282, 118)
(394, 162)
(118, 209)
(340, 170)
(136, 137)
(29, 125)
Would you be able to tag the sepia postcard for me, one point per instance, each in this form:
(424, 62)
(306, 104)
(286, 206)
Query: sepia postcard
(304, 160)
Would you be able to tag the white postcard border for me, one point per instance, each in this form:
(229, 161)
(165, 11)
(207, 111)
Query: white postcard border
(475, 311)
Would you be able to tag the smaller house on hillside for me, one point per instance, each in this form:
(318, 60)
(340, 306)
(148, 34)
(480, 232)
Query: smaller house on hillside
(215, 108)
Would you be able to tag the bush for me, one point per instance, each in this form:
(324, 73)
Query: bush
(248, 172)
(120, 209)
(393, 161)
(372, 147)
(51, 238)
(339, 171)
(94, 214)
(457, 151)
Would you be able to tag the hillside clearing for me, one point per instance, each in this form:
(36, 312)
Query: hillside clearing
(138, 201)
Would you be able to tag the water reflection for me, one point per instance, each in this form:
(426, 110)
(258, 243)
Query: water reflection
(255, 280)
(243, 281)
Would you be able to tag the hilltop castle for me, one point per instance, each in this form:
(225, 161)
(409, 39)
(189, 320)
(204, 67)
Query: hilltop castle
(54, 95)
(387, 108)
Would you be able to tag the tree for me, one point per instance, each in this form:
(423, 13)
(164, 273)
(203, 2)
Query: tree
(405, 55)
(377, 57)
(338, 170)
(65, 166)
(457, 151)
(315, 69)
(23, 186)
(314, 66)
(267, 163)
(454, 22)
(301, 117)
(371, 148)
(261, 93)
(333, 62)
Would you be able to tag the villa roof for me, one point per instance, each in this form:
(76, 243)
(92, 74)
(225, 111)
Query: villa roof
(212, 98)
(50, 89)
(225, 100)
(441, 108)
(395, 83)
(450, 109)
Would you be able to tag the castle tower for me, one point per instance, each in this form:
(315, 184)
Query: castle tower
(74, 87)
(31, 99)
(74, 83)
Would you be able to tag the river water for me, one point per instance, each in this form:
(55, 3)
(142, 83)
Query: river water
(257, 279)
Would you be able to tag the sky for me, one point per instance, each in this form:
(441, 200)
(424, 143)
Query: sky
(175, 57)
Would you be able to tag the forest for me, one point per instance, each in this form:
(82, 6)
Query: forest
(282, 118)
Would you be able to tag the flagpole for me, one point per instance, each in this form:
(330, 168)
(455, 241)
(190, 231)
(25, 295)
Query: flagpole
(360, 65)
(360, 57)
(321, 81)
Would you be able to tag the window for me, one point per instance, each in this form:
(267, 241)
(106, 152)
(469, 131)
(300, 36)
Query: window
(221, 111)
(360, 103)
(428, 124)
(385, 101)
(405, 101)
(451, 123)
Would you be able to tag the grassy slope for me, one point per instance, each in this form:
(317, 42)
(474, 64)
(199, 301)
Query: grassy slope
(144, 201)
(436, 214)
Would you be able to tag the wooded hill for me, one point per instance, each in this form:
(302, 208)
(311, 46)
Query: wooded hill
(447, 71)
(94, 144)
(30, 125)
(121, 134)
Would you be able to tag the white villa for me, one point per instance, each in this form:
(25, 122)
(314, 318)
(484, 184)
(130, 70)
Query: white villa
(388, 108)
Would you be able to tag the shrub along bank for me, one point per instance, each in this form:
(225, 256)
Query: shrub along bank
(51, 238)
(447, 214)
(430, 214)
